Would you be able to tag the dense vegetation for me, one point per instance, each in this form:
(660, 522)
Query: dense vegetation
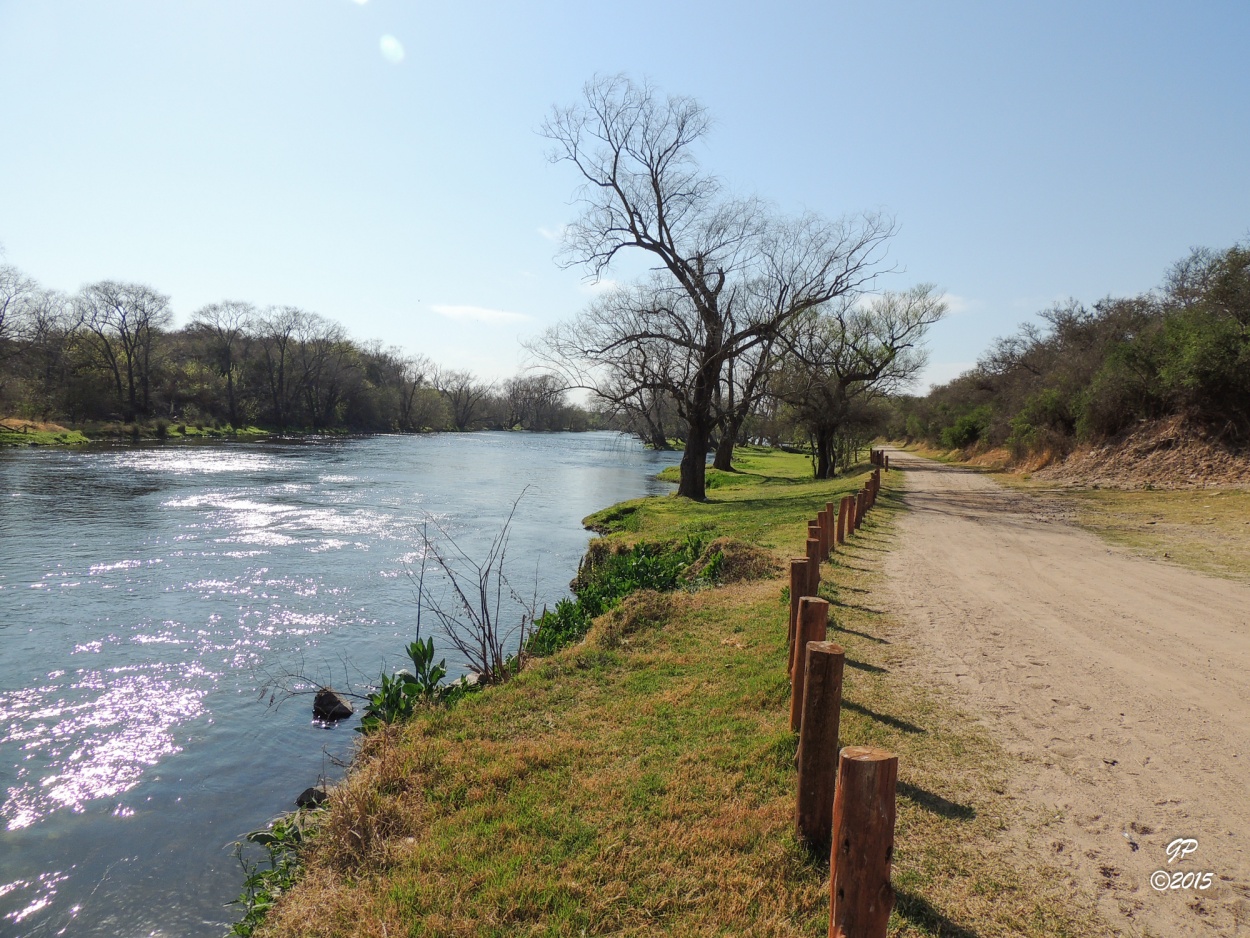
(1180, 351)
(110, 354)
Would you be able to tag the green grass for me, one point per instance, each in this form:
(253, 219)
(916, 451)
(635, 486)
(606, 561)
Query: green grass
(58, 437)
(645, 786)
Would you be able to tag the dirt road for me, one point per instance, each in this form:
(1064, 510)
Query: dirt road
(1123, 685)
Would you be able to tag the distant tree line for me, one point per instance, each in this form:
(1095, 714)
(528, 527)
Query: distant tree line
(1090, 373)
(108, 354)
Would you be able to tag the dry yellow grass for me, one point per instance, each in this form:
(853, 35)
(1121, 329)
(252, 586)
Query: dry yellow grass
(643, 784)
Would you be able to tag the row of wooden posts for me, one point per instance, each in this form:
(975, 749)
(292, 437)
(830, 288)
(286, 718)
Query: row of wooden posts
(879, 457)
(845, 799)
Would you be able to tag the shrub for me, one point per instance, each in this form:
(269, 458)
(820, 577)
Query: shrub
(968, 429)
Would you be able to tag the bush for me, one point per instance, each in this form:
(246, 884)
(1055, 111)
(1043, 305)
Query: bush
(968, 429)
(1044, 422)
(609, 572)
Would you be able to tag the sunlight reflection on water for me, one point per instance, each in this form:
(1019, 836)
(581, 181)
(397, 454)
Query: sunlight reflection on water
(119, 722)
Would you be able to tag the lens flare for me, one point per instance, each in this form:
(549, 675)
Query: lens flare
(392, 49)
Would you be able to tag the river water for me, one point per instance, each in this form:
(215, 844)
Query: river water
(149, 595)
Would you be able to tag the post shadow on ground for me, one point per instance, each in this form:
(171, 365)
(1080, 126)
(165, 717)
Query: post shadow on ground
(885, 718)
(857, 608)
(921, 913)
(847, 566)
(871, 638)
(865, 666)
(942, 807)
(875, 550)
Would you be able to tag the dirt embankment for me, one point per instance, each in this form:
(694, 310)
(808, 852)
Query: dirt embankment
(1169, 454)
(1119, 683)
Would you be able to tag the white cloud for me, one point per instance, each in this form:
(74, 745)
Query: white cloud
(479, 314)
(602, 285)
(958, 305)
(552, 234)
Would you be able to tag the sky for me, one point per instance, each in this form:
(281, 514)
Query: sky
(379, 161)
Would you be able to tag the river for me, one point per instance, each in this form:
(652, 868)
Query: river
(148, 597)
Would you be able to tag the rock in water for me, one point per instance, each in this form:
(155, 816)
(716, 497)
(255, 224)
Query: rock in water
(311, 798)
(328, 705)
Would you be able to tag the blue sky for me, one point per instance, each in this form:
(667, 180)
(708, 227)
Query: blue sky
(379, 162)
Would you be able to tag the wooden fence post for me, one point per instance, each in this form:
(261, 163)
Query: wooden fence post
(813, 566)
(813, 626)
(860, 894)
(822, 520)
(799, 579)
(831, 515)
(842, 520)
(818, 742)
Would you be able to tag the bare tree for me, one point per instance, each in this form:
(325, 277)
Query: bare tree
(464, 394)
(326, 367)
(16, 290)
(276, 337)
(469, 598)
(124, 319)
(746, 384)
(731, 273)
(847, 352)
(414, 376)
(533, 402)
(227, 326)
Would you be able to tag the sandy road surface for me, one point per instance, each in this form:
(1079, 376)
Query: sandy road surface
(1124, 685)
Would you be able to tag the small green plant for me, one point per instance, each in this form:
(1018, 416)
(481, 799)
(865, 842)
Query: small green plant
(401, 694)
(262, 885)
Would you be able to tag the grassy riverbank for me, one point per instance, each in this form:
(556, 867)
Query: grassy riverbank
(642, 782)
(16, 432)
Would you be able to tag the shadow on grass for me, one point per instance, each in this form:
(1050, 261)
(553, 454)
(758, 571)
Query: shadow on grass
(940, 806)
(921, 913)
(885, 718)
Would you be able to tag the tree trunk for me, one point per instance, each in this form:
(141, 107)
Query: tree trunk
(824, 455)
(725, 452)
(693, 482)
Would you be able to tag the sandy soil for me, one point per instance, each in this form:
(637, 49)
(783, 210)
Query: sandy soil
(1122, 683)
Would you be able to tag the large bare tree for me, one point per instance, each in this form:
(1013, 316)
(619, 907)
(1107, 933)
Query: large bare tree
(730, 273)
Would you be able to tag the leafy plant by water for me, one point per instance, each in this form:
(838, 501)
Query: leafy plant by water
(400, 695)
(263, 884)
